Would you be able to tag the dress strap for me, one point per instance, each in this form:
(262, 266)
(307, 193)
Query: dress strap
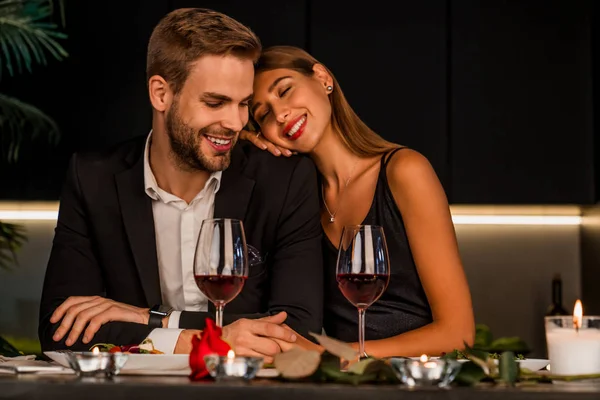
(388, 156)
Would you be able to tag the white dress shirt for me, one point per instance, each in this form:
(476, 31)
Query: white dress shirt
(177, 226)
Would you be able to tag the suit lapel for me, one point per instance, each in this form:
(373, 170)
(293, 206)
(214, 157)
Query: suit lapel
(136, 208)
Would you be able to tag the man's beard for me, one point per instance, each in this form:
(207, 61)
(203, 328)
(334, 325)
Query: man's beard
(186, 144)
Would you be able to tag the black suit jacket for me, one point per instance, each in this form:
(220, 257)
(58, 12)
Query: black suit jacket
(105, 244)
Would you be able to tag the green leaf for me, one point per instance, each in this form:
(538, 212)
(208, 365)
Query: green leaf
(24, 32)
(332, 372)
(483, 336)
(336, 347)
(20, 121)
(17, 51)
(102, 346)
(7, 349)
(514, 344)
(479, 357)
(470, 374)
(12, 237)
(297, 363)
(330, 360)
(546, 376)
(27, 34)
(509, 369)
(6, 55)
(382, 370)
(359, 367)
(454, 355)
(371, 370)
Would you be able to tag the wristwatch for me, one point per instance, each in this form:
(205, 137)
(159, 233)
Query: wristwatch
(157, 313)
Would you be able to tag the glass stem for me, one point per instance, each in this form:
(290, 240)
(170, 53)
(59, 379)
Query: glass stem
(219, 306)
(361, 333)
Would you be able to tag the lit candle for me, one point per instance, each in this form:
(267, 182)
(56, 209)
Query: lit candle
(425, 371)
(578, 315)
(574, 343)
(234, 367)
(427, 363)
(95, 362)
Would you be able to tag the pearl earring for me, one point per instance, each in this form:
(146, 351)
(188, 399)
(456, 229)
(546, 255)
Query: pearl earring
(329, 88)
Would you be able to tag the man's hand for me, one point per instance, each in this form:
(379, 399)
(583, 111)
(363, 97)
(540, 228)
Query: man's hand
(255, 337)
(301, 341)
(184, 342)
(94, 311)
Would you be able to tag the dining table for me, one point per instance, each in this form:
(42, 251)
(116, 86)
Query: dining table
(122, 387)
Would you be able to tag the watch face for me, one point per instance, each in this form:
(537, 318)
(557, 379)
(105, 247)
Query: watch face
(161, 310)
(164, 310)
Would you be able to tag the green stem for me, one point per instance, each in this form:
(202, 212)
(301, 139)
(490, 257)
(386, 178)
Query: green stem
(566, 378)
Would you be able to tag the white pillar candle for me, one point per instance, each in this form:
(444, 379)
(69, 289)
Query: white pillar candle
(573, 344)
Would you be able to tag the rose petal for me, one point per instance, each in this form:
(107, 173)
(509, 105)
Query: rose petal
(210, 342)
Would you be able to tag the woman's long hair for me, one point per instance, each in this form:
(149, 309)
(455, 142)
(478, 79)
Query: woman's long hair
(354, 133)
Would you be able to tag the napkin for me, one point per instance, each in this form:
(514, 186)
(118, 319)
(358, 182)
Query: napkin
(28, 364)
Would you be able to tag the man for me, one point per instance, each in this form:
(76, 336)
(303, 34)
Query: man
(129, 218)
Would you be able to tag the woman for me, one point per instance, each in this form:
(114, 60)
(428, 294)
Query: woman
(365, 179)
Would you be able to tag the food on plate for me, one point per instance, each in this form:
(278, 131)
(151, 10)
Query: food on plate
(146, 347)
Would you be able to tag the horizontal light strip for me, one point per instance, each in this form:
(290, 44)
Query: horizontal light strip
(28, 215)
(462, 219)
(516, 219)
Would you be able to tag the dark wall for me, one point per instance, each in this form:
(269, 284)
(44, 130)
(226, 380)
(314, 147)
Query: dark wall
(392, 65)
(496, 93)
(522, 102)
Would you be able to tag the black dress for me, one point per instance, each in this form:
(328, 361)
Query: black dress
(403, 306)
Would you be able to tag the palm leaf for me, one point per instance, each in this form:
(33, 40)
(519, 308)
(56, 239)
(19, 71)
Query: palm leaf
(12, 237)
(25, 37)
(17, 117)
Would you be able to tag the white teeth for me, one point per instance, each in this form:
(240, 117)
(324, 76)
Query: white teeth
(296, 126)
(219, 142)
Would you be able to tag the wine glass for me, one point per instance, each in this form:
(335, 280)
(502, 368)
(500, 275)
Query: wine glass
(363, 270)
(221, 261)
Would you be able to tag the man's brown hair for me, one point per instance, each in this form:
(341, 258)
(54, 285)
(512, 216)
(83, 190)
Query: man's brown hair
(186, 34)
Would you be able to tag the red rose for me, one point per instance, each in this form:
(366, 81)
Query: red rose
(210, 342)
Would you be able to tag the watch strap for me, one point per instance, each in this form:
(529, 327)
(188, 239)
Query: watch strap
(155, 321)
(157, 313)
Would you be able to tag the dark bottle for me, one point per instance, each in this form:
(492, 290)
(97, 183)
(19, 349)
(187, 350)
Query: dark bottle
(556, 308)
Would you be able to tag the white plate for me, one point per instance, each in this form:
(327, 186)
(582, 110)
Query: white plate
(143, 364)
(156, 364)
(533, 364)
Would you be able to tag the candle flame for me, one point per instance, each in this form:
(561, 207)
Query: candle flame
(424, 358)
(578, 314)
(230, 355)
(95, 350)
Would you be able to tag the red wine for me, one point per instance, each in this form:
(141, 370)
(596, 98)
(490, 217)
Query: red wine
(220, 288)
(362, 290)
